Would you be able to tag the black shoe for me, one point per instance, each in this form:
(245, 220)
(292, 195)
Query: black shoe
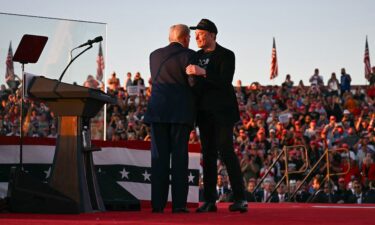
(157, 210)
(207, 207)
(238, 207)
(180, 210)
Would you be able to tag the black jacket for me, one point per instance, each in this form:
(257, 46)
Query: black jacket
(216, 93)
(172, 100)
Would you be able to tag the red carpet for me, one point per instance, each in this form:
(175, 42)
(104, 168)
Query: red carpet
(259, 213)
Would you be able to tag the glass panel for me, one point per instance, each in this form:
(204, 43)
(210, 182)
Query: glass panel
(63, 35)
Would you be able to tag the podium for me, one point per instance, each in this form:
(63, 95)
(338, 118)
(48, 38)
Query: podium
(73, 174)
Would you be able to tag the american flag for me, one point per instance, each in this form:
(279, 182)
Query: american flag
(366, 60)
(100, 64)
(274, 67)
(9, 71)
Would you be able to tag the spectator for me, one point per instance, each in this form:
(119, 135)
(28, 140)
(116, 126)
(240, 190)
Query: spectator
(345, 82)
(4, 93)
(302, 194)
(358, 196)
(128, 80)
(371, 78)
(223, 192)
(14, 131)
(267, 170)
(242, 140)
(342, 193)
(113, 83)
(351, 166)
(91, 82)
(333, 85)
(311, 131)
(240, 92)
(264, 195)
(370, 194)
(282, 195)
(338, 134)
(193, 138)
(351, 104)
(288, 82)
(333, 108)
(13, 82)
(53, 133)
(368, 169)
(363, 147)
(274, 142)
(250, 190)
(138, 80)
(316, 80)
(249, 167)
(324, 195)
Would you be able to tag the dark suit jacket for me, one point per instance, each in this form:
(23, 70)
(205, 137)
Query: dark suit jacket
(259, 196)
(216, 93)
(302, 196)
(172, 100)
(275, 198)
(353, 198)
(369, 196)
(321, 197)
(342, 195)
(250, 197)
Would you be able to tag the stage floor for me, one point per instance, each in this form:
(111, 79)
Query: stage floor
(259, 213)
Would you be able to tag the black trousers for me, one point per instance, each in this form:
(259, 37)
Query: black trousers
(217, 139)
(169, 139)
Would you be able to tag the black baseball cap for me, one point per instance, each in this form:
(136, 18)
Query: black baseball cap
(205, 24)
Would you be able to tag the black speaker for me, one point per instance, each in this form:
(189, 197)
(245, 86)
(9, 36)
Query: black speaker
(29, 195)
(115, 197)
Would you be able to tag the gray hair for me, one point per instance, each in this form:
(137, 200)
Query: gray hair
(178, 32)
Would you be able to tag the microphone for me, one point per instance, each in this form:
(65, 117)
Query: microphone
(90, 42)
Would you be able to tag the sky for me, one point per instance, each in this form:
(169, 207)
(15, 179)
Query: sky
(324, 34)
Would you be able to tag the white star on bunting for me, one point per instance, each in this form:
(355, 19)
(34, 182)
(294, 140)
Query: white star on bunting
(48, 172)
(124, 173)
(146, 175)
(191, 178)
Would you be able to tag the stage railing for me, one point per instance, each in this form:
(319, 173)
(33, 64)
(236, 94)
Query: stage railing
(325, 156)
(285, 152)
(306, 167)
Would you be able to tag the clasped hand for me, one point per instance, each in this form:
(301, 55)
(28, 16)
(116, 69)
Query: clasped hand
(195, 70)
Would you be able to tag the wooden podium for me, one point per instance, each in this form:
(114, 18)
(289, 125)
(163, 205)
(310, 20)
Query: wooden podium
(73, 173)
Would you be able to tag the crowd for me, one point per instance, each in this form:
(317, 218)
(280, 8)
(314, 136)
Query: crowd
(321, 115)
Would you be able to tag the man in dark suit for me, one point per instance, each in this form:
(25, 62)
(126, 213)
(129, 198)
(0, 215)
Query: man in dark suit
(265, 194)
(282, 195)
(358, 197)
(223, 192)
(217, 113)
(370, 194)
(171, 113)
(250, 195)
(324, 195)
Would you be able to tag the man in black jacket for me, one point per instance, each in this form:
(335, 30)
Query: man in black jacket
(217, 113)
(171, 113)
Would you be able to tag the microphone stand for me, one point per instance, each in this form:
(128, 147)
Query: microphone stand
(21, 115)
(62, 74)
(70, 62)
